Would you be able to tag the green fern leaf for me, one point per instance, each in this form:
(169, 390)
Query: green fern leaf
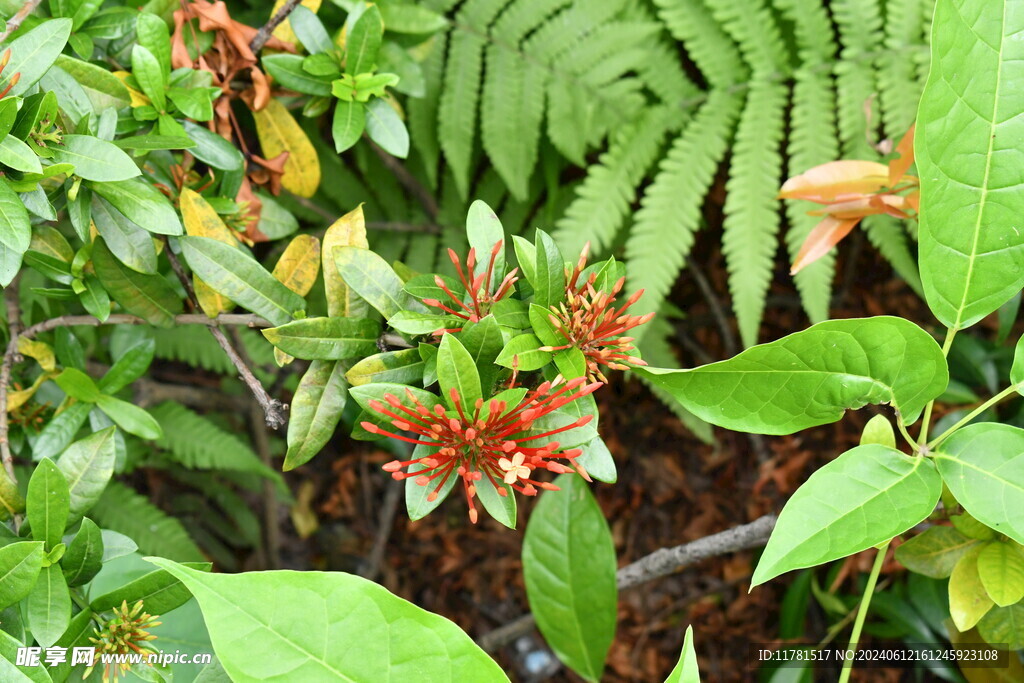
(423, 111)
(897, 73)
(750, 229)
(889, 236)
(126, 511)
(754, 29)
(860, 31)
(457, 111)
(708, 45)
(813, 29)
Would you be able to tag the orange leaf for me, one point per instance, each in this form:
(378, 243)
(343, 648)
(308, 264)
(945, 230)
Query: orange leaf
(899, 166)
(837, 181)
(823, 237)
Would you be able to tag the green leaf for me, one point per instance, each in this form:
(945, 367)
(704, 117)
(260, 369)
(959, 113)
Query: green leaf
(971, 527)
(95, 299)
(212, 149)
(47, 504)
(15, 233)
(363, 42)
(194, 103)
(148, 296)
(411, 18)
(400, 367)
(19, 156)
(685, 670)
(49, 606)
(310, 32)
(386, 128)
(376, 392)
(60, 431)
(416, 323)
(878, 430)
(153, 34)
(598, 461)
(287, 70)
(142, 203)
(131, 364)
(88, 465)
(348, 124)
(549, 274)
(571, 363)
(33, 52)
(569, 570)
(968, 600)
(372, 278)
(526, 254)
(95, 159)
(972, 257)
(160, 591)
(511, 313)
(983, 466)
(864, 497)
(130, 417)
(19, 567)
(1004, 625)
(457, 372)
(417, 498)
(241, 279)
(103, 88)
(84, 557)
(523, 350)
(811, 377)
(124, 510)
(315, 411)
(935, 551)
(351, 610)
(325, 338)
(540, 321)
(1001, 570)
(77, 384)
(1017, 369)
(150, 76)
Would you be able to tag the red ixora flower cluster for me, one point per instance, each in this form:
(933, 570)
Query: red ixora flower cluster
(588, 321)
(477, 286)
(476, 445)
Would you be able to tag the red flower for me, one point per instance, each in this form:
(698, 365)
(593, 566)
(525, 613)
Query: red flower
(477, 286)
(476, 445)
(588, 321)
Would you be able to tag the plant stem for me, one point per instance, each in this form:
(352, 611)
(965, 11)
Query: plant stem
(263, 35)
(923, 436)
(1002, 395)
(862, 613)
(903, 430)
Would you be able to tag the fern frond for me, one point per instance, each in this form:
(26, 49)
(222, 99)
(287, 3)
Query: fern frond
(750, 229)
(423, 111)
(813, 29)
(457, 110)
(714, 52)
(670, 210)
(898, 81)
(126, 511)
(890, 238)
(755, 31)
(860, 30)
(605, 197)
(198, 444)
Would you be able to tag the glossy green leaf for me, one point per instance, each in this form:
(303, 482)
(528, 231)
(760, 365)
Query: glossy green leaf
(150, 297)
(95, 299)
(60, 431)
(19, 156)
(47, 504)
(1001, 570)
(972, 528)
(983, 466)
(241, 279)
(685, 670)
(484, 341)
(77, 384)
(130, 417)
(195, 103)
(400, 367)
(152, 33)
(142, 203)
(33, 52)
(15, 233)
(84, 557)
(971, 253)
(325, 338)
(598, 461)
(968, 599)
(287, 70)
(363, 42)
(131, 364)
(103, 88)
(352, 610)
(372, 278)
(935, 551)
(878, 430)
(417, 323)
(484, 230)
(523, 352)
(310, 32)
(19, 567)
(571, 363)
(348, 124)
(88, 465)
(456, 372)
(213, 150)
(812, 377)
(315, 411)
(150, 76)
(502, 508)
(160, 591)
(95, 159)
(549, 272)
(386, 128)
(569, 570)
(417, 498)
(511, 313)
(49, 606)
(864, 497)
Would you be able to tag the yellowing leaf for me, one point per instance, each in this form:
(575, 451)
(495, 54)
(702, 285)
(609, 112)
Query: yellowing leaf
(299, 264)
(212, 303)
(38, 350)
(278, 132)
(347, 231)
(284, 29)
(138, 99)
(281, 358)
(201, 220)
(836, 181)
(16, 399)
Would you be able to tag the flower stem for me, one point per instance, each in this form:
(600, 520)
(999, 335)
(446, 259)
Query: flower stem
(862, 613)
(1002, 395)
(923, 436)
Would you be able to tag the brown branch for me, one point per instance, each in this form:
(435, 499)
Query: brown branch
(659, 563)
(14, 23)
(371, 567)
(408, 181)
(263, 35)
(234, 319)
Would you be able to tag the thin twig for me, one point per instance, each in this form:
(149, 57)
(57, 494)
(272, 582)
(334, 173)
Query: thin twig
(14, 23)
(271, 523)
(728, 339)
(371, 567)
(659, 563)
(263, 35)
(233, 319)
(408, 181)
(273, 410)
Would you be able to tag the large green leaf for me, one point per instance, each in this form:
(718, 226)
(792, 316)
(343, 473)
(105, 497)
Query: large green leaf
(372, 278)
(132, 245)
(47, 504)
(15, 233)
(150, 297)
(457, 372)
(363, 42)
(160, 590)
(811, 377)
(84, 557)
(49, 606)
(18, 155)
(968, 151)
(402, 367)
(325, 338)
(130, 417)
(88, 465)
(569, 570)
(19, 567)
(95, 159)
(316, 409)
(864, 497)
(983, 466)
(287, 70)
(104, 89)
(386, 128)
(241, 279)
(33, 52)
(312, 626)
(142, 203)
(1001, 570)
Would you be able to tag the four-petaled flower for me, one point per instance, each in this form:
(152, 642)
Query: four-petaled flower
(471, 443)
(481, 297)
(589, 322)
